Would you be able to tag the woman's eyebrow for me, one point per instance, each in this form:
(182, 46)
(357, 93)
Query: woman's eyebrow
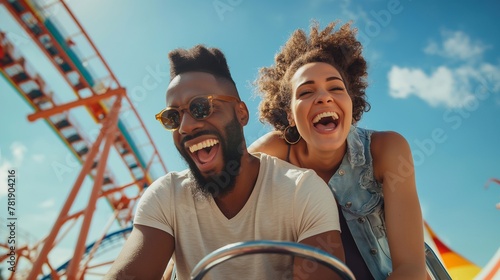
(333, 78)
(310, 82)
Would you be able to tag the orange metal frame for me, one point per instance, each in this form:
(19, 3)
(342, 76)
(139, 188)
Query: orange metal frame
(94, 155)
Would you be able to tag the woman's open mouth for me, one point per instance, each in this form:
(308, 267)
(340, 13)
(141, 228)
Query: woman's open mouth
(326, 121)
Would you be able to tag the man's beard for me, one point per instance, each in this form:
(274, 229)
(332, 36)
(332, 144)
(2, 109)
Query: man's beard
(220, 184)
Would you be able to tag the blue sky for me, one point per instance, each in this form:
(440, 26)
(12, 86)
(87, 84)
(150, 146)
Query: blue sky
(434, 77)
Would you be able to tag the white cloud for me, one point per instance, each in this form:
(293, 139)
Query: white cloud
(348, 11)
(439, 88)
(39, 158)
(344, 9)
(456, 45)
(491, 76)
(18, 151)
(47, 203)
(450, 86)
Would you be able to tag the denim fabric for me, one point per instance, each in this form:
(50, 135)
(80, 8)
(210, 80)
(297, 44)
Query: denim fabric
(362, 202)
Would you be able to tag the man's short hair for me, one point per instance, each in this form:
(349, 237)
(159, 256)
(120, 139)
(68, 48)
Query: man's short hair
(199, 59)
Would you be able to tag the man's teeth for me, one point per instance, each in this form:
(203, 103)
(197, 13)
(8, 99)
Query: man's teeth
(204, 144)
(334, 115)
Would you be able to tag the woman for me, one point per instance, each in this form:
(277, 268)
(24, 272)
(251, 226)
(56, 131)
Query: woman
(313, 95)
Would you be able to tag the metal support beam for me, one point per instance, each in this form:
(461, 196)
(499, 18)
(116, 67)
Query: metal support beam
(63, 215)
(84, 101)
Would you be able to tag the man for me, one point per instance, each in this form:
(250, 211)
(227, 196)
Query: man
(227, 195)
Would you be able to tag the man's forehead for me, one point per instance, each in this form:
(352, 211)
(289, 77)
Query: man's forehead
(191, 84)
(192, 79)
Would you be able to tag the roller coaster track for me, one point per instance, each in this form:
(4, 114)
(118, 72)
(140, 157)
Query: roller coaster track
(58, 34)
(108, 240)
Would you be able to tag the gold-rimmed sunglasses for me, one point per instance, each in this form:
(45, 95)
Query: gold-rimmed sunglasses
(199, 107)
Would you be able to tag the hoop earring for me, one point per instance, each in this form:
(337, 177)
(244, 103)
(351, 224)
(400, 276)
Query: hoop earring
(291, 135)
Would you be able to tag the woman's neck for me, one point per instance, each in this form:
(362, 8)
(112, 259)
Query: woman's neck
(324, 163)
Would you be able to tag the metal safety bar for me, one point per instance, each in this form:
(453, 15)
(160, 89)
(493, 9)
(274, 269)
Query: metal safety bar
(435, 268)
(270, 247)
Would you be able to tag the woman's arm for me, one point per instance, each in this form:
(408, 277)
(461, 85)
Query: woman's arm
(393, 166)
(272, 144)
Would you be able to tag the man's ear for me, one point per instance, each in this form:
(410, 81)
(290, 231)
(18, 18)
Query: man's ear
(242, 113)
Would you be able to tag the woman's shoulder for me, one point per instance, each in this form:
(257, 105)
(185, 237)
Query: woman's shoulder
(388, 148)
(382, 141)
(272, 144)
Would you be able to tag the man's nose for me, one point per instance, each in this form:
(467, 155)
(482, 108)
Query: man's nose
(188, 124)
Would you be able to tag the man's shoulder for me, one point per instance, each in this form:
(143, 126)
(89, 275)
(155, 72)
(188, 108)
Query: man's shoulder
(279, 163)
(283, 169)
(287, 182)
(172, 179)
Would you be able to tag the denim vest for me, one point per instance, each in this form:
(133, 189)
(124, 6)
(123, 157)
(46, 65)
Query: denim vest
(362, 202)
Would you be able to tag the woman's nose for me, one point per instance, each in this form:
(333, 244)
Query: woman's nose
(323, 96)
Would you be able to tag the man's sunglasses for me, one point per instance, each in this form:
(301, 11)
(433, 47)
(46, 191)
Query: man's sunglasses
(199, 107)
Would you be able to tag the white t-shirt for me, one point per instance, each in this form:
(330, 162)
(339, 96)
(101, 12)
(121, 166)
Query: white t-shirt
(287, 203)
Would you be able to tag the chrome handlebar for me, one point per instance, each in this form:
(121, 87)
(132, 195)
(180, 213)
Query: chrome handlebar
(269, 247)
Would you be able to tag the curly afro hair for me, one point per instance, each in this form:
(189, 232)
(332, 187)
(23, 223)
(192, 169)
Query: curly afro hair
(339, 48)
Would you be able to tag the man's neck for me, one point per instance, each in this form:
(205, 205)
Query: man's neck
(232, 203)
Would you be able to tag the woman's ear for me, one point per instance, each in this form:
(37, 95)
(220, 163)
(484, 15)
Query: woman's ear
(242, 113)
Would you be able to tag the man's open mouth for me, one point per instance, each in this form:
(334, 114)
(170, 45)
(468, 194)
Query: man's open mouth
(204, 151)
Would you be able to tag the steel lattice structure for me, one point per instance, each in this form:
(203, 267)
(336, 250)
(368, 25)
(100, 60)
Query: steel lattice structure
(96, 88)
